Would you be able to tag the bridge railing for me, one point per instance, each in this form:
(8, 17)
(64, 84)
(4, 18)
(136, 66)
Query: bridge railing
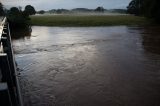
(8, 69)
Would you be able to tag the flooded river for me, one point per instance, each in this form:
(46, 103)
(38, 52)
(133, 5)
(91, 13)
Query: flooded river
(90, 66)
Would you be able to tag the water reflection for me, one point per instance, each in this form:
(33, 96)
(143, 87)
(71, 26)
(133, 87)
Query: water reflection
(151, 39)
(21, 33)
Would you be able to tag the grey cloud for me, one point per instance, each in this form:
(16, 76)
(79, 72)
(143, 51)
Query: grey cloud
(50, 4)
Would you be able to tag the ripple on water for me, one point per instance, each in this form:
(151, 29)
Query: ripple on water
(96, 66)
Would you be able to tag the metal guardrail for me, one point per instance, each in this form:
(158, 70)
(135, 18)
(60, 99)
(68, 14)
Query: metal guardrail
(8, 68)
(2, 23)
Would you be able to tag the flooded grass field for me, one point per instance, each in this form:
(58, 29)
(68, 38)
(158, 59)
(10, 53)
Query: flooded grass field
(83, 20)
(90, 66)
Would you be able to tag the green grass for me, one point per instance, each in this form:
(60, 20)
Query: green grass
(90, 20)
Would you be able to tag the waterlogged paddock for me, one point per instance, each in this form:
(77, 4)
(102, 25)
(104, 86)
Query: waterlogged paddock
(90, 66)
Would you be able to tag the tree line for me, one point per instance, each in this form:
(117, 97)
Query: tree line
(1, 10)
(70, 11)
(147, 8)
(20, 18)
(16, 16)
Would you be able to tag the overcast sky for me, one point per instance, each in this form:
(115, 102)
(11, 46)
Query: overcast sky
(67, 4)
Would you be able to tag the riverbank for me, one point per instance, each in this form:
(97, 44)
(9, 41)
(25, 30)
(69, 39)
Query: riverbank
(87, 20)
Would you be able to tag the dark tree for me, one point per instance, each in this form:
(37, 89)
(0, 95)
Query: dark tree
(30, 10)
(14, 11)
(1, 10)
(135, 7)
(41, 12)
(148, 8)
(99, 9)
(17, 18)
(58, 11)
(152, 9)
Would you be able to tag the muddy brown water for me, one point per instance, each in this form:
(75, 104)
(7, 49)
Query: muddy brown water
(90, 66)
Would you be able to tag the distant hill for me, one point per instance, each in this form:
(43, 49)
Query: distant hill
(81, 10)
(59, 11)
(123, 11)
(85, 10)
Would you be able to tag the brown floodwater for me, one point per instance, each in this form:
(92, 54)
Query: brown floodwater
(89, 66)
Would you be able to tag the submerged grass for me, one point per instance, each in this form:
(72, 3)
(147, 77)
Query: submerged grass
(88, 20)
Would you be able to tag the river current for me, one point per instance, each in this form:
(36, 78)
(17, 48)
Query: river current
(89, 66)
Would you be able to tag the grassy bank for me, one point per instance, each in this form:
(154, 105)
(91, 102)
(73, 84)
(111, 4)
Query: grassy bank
(90, 20)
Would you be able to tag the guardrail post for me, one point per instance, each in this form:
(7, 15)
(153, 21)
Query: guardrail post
(4, 95)
(6, 77)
